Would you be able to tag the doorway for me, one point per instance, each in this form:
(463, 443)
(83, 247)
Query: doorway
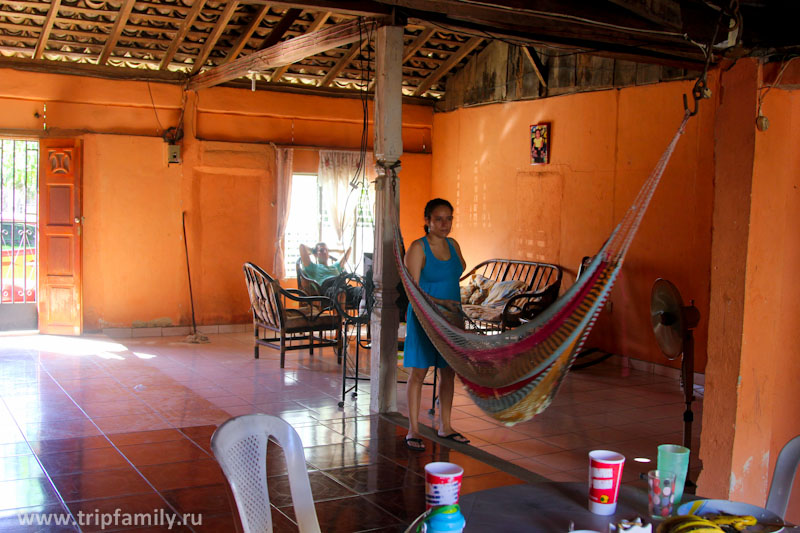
(19, 222)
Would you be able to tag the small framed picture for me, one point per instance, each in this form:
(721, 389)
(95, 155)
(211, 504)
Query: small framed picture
(540, 144)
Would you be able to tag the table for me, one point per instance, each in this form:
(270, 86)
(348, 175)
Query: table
(544, 507)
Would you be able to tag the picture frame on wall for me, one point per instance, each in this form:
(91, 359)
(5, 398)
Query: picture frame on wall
(540, 144)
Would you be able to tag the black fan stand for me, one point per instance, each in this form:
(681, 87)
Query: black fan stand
(673, 324)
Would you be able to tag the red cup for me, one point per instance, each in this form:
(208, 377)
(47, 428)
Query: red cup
(605, 476)
(442, 484)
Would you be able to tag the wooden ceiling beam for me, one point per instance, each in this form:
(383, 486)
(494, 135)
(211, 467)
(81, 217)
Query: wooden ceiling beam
(671, 54)
(538, 67)
(366, 8)
(283, 53)
(345, 60)
(280, 29)
(92, 70)
(116, 31)
(44, 35)
(247, 32)
(420, 40)
(565, 23)
(181, 35)
(663, 12)
(448, 65)
(318, 22)
(213, 37)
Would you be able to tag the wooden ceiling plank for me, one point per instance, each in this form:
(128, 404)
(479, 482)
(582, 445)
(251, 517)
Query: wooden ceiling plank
(421, 39)
(241, 42)
(318, 22)
(280, 28)
(46, 28)
(283, 53)
(448, 65)
(345, 60)
(116, 31)
(181, 35)
(213, 37)
(536, 62)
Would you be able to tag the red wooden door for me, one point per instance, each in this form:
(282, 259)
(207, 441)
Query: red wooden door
(60, 237)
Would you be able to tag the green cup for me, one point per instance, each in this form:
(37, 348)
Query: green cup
(675, 459)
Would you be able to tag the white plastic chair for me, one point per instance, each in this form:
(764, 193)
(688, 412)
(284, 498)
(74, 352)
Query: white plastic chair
(783, 477)
(240, 446)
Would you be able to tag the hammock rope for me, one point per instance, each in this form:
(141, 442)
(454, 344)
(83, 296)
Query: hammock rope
(514, 375)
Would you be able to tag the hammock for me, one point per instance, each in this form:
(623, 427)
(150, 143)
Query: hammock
(514, 375)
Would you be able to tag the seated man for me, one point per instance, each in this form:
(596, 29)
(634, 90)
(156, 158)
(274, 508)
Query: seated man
(321, 272)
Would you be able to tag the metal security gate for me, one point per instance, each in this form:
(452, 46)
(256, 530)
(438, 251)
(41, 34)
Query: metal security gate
(19, 188)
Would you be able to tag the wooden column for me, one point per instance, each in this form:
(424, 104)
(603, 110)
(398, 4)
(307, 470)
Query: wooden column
(388, 148)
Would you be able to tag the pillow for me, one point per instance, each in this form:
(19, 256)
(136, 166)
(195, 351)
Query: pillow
(482, 282)
(478, 296)
(466, 292)
(502, 291)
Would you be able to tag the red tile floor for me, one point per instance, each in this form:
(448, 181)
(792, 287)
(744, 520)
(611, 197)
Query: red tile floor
(92, 425)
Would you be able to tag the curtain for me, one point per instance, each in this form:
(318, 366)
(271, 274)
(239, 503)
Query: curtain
(283, 180)
(341, 194)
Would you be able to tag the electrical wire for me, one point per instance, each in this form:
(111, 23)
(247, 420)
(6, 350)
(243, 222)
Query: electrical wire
(160, 127)
(575, 18)
(767, 88)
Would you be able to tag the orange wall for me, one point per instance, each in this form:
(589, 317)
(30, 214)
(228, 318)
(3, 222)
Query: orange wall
(133, 255)
(133, 250)
(604, 145)
(769, 394)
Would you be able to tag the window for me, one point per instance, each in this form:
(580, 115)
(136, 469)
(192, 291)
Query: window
(19, 173)
(309, 223)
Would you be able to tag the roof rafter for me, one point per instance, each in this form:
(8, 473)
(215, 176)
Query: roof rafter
(116, 31)
(346, 58)
(48, 25)
(418, 43)
(280, 28)
(241, 42)
(216, 33)
(181, 35)
(318, 22)
(280, 54)
(448, 65)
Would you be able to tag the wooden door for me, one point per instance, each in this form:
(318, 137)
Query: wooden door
(60, 237)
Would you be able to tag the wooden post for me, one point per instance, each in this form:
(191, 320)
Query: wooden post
(388, 148)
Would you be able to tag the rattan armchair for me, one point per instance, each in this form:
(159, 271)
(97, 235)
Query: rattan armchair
(290, 328)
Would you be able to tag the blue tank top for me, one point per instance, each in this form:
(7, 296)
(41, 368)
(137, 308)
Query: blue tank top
(440, 278)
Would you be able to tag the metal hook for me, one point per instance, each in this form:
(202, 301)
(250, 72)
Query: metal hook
(700, 91)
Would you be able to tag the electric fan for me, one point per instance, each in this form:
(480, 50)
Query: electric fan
(672, 325)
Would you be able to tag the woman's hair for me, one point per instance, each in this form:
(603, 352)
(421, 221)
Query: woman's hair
(433, 204)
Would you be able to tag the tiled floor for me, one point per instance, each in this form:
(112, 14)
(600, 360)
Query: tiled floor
(92, 425)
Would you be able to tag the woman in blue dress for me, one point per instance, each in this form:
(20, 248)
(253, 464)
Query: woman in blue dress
(435, 262)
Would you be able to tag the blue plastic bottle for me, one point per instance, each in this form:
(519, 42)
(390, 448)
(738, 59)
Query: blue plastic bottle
(448, 520)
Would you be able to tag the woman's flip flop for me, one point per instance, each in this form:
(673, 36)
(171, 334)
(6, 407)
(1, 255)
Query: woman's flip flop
(415, 444)
(456, 437)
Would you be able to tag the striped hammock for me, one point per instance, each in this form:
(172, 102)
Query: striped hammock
(514, 375)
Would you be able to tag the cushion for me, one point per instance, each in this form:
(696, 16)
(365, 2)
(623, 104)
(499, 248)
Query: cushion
(482, 286)
(466, 291)
(478, 296)
(502, 291)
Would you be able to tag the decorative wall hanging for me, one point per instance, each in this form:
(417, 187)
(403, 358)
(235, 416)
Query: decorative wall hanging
(540, 144)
